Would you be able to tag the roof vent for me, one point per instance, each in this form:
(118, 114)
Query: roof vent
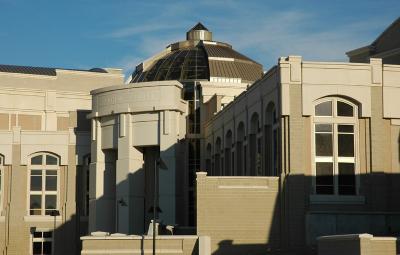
(199, 32)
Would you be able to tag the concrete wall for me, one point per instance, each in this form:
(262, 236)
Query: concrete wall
(240, 214)
(362, 244)
(122, 244)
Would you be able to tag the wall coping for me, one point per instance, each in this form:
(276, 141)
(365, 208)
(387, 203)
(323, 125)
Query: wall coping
(138, 237)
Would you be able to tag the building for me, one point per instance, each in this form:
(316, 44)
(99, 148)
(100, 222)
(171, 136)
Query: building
(386, 47)
(162, 112)
(330, 134)
(44, 156)
(303, 150)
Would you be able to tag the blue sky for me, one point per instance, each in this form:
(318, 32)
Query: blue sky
(121, 33)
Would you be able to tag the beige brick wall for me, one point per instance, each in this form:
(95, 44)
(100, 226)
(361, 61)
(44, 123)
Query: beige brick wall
(168, 245)
(240, 214)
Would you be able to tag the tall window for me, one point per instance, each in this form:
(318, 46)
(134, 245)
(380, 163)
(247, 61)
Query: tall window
(42, 243)
(335, 129)
(217, 157)
(85, 190)
(239, 150)
(43, 184)
(228, 154)
(271, 142)
(255, 146)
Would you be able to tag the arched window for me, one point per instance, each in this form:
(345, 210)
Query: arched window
(334, 148)
(208, 158)
(228, 153)
(271, 138)
(43, 184)
(255, 146)
(217, 157)
(239, 150)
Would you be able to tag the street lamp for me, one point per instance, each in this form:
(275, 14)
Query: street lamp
(158, 164)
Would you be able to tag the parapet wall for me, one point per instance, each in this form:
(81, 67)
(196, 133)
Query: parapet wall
(240, 214)
(362, 244)
(130, 244)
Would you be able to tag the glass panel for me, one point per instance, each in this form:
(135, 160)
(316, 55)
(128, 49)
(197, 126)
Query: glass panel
(324, 109)
(36, 183)
(324, 178)
(47, 234)
(37, 248)
(345, 145)
(50, 160)
(35, 204)
(344, 109)
(37, 160)
(323, 144)
(346, 128)
(51, 183)
(46, 248)
(323, 128)
(50, 203)
(347, 179)
(37, 234)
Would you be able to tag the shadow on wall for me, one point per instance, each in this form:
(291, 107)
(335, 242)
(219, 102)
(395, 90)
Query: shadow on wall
(245, 215)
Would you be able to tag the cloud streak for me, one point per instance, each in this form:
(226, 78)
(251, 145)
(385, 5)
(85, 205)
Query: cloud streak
(264, 33)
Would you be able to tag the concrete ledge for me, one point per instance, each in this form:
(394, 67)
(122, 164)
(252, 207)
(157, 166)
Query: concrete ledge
(356, 244)
(105, 243)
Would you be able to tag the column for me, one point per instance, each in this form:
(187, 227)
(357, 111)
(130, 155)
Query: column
(168, 141)
(129, 181)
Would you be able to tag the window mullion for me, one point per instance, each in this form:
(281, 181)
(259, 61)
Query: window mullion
(43, 190)
(335, 158)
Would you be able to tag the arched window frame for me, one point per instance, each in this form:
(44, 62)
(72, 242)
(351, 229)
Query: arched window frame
(43, 170)
(335, 121)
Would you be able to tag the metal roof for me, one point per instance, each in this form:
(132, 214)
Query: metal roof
(192, 60)
(47, 71)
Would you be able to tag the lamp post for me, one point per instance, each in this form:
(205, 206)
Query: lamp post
(54, 213)
(158, 163)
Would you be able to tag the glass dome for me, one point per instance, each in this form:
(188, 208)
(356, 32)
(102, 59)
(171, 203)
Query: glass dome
(199, 58)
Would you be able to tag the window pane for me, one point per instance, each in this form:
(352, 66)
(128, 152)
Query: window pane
(50, 160)
(51, 183)
(323, 144)
(50, 203)
(346, 128)
(35, 204)
(324, 109)
(345, 145)
(37, 160)
(347, 179)
(344, 109)
(36, 183)
(47, 234)
(324, 178)
(323, 128)
(37, 248)
(46, 248)
(37, 234)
